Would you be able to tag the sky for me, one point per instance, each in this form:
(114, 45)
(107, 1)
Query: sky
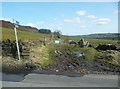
(71, 18)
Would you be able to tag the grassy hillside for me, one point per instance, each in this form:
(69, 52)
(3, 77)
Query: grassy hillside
(8, 24)
(8, 33)
(25, 35)
(46, 55)
(93, 41)
(100, 35)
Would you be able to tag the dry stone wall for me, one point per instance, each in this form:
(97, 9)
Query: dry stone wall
(9, 49)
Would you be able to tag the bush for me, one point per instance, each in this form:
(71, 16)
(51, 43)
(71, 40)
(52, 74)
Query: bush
(45, 31)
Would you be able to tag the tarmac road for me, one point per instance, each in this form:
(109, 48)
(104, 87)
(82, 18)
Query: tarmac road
(45, 80)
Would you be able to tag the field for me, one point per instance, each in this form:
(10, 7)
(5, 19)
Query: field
(8, 33)
(45, 55)
(93, 41)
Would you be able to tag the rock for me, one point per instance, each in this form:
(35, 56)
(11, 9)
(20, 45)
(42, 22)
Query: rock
(30, 66)
(9, 49)
(90, 45)
(72, 42)
(81, 43)
(106, 47)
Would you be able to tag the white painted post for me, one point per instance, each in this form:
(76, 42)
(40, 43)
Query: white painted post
(16, 40)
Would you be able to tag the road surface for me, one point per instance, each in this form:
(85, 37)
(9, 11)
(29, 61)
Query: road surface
(45, 80)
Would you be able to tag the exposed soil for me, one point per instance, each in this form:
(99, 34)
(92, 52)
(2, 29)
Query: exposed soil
(70, 62)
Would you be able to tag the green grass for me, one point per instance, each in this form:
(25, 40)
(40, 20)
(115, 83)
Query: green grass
(89, 52)
(103, 41)
(8, 33)
(94, 42)
(47, 53)
(11, 63)
(112, 58)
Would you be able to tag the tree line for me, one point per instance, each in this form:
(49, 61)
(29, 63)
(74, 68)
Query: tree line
(48, 31)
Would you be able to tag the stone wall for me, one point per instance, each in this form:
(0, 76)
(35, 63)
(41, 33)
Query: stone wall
(9, 49)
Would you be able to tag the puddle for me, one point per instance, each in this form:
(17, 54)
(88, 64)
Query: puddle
(79, 54)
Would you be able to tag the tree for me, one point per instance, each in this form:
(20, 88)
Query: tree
(45, 31)
(57, 33)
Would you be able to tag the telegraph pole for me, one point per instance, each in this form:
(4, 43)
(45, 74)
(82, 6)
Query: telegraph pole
(15, 30)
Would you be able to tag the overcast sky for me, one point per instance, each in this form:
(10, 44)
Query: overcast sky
(72, 18)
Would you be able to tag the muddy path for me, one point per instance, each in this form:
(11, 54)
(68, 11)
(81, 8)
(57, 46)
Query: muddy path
(77, 62)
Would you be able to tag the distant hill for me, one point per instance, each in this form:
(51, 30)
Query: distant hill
(8, 24)
(113, 36)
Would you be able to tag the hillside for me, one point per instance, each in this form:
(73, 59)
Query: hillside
(62, 57)
(113, 36)
(8, 33)
(8, 24)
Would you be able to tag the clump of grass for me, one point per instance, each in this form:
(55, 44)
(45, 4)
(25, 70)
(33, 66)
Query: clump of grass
(46, 62)
(12, 63)
(43, 54)
(89, 52)
(39, 52)
(51, 51)
(109, 56)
